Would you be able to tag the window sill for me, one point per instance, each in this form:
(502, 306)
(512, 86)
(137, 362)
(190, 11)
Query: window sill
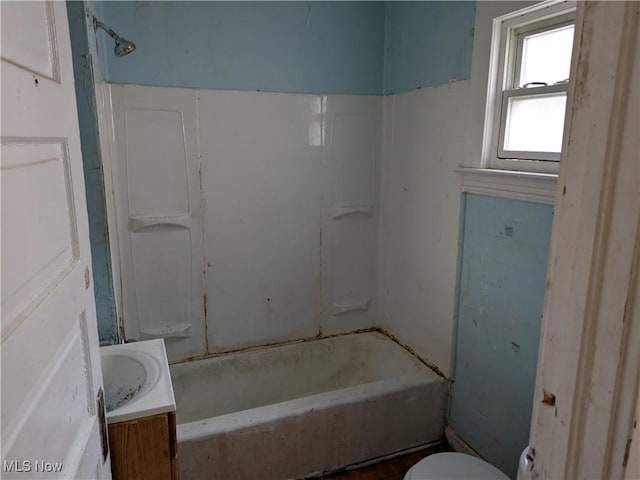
(529, 186)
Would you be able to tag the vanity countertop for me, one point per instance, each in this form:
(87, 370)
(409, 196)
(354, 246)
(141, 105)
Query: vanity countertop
(136, 379)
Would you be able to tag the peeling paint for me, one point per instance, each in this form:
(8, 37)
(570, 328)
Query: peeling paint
(627, 451)
(582, 93)
(549, 398)
(204, 302)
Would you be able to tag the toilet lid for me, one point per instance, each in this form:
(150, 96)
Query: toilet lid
(453, 466)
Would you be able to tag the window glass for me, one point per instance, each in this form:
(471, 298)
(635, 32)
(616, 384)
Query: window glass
(535, 123)
(546, 56)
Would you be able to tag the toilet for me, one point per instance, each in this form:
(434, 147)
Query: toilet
(460, 466)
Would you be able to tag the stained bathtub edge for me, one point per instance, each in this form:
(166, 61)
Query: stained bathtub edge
(267, 414)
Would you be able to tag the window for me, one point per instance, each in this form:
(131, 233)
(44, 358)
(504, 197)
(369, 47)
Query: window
(529, 87)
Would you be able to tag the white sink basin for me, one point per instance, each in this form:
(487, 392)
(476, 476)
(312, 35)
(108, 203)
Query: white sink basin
(127, 375)
(136, 380)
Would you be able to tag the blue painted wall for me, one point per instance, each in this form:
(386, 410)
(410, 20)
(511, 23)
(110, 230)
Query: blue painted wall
(294, 47)
(500, 299)
(93, 176)
(427, 44)
(100, 44)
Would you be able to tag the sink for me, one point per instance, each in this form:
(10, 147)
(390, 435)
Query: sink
(127, 375)
(136, 380)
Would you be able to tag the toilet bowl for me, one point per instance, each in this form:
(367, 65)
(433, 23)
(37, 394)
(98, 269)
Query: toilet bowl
(460, 466)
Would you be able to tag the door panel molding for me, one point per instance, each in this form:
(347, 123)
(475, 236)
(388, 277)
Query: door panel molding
(50, 354)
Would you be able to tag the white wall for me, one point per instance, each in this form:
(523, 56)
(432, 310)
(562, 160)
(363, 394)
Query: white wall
(262, 214)
(423, 145)
(272, 171)
(276, 200)
(427, 134)
(155, 172)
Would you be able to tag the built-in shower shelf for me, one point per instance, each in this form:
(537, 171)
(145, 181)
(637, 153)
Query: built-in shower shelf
(181, 330)
(339, 212)
(338, 308)
(141, 222)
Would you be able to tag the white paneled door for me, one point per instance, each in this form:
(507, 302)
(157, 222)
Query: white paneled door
(51, 378)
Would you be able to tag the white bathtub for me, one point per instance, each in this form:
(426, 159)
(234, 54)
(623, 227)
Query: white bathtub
(301, 409)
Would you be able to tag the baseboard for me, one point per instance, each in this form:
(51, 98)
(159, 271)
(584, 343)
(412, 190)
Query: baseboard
(458, 444)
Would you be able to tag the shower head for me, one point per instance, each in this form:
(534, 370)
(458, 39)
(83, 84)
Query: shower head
(123, 46)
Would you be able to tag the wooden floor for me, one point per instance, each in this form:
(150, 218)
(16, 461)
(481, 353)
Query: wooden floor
(393, 469)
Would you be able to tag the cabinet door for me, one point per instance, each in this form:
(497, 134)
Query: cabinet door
(144, 448)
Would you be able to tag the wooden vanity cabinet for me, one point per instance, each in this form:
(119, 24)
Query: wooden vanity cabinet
(145, 448)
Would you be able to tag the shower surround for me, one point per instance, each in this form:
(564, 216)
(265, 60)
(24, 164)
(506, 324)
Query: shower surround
(244, 218)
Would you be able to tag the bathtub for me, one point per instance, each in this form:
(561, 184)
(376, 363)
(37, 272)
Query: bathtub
(301, 409)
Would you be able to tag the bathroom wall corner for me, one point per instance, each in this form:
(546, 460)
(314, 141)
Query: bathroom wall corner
(84, 71)
(456, 304)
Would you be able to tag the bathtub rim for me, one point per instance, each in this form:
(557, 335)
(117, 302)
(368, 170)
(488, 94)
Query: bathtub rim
(320, 336)
(201, 429)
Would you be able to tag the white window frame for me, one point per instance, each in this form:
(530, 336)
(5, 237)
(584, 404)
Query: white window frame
(508, 31)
